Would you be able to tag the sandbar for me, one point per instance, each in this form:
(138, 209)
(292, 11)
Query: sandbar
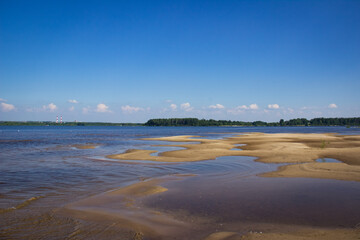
(85, 146)
(301, 149)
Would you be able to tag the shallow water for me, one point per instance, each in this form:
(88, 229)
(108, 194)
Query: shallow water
(41, 171)
(328, 160)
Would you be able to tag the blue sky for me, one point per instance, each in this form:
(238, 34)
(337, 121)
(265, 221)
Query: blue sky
(128, 61)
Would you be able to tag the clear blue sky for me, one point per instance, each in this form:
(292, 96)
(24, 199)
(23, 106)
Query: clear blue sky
(128, 61)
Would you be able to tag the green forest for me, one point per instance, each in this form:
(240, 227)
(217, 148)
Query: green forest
(291, 122)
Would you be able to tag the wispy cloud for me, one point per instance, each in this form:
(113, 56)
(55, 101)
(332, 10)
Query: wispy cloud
(273, 106)
(3, 100)
(332, 105)
(72, 108)
(86, 110)
(50, 107)
(173, 106)
(5, 107)
(102, 108)
(217, 106)
(130, 109)
(73, 101)
(186, 107)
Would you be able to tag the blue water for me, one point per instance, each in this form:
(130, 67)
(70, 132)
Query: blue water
(41, 161)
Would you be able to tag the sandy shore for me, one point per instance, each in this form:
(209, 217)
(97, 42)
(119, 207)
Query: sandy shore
(269, 148)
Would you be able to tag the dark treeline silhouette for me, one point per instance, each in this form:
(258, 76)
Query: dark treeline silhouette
(201, 122)
(291, 122)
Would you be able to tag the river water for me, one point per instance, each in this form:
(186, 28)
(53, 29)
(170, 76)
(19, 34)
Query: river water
(42, 171)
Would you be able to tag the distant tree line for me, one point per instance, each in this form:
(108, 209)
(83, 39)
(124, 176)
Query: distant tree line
(201, 122)
(291, 122)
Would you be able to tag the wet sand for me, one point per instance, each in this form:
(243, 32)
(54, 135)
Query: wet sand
(299, 234)
(268, 148)
(188, 207)
(124, 207)
(305, 234)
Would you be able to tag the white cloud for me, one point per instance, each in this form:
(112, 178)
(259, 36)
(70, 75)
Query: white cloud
(3, 100)
(85, 110)
(173, 106)
(51, 107)
(102, 108)
(130, 109)
(72, 101)
(273, 106)
(186, 107)
(5, 107)
(242, 108)
(217, 106)
(332, 105)
(72, 108)
(253, 106)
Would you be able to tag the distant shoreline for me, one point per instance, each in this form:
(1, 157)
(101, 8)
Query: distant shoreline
(194, 122)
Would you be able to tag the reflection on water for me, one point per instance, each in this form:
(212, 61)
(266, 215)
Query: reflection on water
(41, 172)
(227, 199)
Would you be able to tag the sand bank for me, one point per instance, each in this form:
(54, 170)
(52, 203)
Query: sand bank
(340, 171)
(85, 146)
(123, 207)
(268, 148)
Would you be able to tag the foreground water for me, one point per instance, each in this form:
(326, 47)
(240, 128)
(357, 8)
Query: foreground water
(41, 171)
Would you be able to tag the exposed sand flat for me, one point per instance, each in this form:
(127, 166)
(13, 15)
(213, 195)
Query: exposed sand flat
(340, 171)
(269, 148)
(140, 189)
(123, 207)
